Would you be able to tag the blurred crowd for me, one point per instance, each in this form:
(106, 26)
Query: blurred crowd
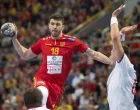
(32, 15)
(85, 88)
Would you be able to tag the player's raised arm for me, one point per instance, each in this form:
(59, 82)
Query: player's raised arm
(115, 33)
(24, 53)
(98, 56)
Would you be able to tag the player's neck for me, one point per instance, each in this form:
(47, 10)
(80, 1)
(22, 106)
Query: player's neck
(55, 38)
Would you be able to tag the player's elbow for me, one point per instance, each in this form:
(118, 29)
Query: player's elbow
(25, 57)
(115, 36)
(96, 55)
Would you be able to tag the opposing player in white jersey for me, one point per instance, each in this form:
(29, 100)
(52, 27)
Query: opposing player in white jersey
(33, 99)
(122, 80)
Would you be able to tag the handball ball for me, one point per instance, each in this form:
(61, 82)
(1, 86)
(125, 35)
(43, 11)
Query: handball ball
(8, 30)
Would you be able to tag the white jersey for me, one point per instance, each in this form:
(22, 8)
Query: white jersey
(38, 108)
(121, 86)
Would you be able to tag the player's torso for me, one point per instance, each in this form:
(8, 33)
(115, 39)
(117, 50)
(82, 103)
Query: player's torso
(57, 57)
(113, 86)
(120, 91)
(55, 53)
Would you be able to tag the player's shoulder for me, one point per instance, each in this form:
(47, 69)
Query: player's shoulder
(45, 38)
(124, 59)
(125, 64)
(69, 37)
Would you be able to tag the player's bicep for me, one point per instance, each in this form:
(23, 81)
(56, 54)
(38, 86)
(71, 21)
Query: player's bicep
(29, 54)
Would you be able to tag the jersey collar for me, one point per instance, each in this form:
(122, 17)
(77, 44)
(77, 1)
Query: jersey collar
(62, 35)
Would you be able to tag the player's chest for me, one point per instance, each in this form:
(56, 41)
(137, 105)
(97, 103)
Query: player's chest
(56, 48)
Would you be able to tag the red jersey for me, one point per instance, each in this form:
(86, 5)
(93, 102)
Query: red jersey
(57, 57)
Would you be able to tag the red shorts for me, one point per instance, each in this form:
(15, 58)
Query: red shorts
(55, 92)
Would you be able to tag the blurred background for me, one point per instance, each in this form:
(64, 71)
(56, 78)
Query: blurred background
(89, 20)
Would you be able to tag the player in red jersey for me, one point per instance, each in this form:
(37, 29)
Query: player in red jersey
(57, 51)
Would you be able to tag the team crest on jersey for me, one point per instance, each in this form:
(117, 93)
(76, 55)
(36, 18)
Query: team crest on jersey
(62, 44)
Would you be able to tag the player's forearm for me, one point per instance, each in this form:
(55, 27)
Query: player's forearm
(20, 49)
(101, 58)
(115, 33)
(98, 56)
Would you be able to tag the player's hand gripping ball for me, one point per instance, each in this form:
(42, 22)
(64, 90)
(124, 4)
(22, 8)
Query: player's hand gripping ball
(8, 30)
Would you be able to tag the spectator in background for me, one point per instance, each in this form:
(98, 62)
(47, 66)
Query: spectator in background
(65, 104)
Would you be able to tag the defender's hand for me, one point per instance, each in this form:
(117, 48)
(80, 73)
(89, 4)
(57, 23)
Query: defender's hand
(118, 11)
(129, 29)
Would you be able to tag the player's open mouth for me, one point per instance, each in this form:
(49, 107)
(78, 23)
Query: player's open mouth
(54, 31)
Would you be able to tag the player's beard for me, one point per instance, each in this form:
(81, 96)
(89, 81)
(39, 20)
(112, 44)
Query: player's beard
(55, 33)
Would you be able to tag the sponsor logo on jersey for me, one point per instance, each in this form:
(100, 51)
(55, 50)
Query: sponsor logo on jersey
(54, 64)
(54, 58)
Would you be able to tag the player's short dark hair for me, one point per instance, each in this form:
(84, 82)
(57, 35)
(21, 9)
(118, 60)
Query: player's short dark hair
(33, 98)
(57, 16)
(126, 50)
